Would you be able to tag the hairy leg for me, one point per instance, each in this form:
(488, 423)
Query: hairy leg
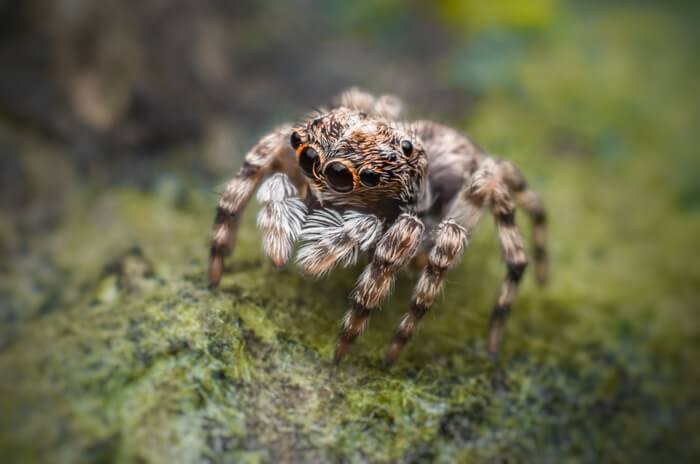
(532, 203)
(450, 240)
(268, 154)
(485, 189)
(387, 106)
(393, 251)
(490, 188)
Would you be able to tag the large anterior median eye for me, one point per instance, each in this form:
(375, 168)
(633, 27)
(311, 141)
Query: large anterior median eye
(339, 176)
(309, 161)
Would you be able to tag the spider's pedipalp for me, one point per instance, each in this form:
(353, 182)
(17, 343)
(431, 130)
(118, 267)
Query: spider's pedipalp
(394, 250)
(332, 239)
(280, 218)
(319, 222)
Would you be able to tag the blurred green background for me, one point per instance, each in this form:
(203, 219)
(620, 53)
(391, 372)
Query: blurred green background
(120, 120)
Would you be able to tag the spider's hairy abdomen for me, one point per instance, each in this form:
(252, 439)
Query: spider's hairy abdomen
(356, 179)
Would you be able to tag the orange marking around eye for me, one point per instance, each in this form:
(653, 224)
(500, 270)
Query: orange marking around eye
(353, 172)
(301, 148)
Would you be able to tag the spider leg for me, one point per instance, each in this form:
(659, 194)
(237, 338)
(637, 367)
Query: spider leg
(532, 203)
(450, 240)
(393, 251)
(489, 188)
(270, 153)
(280, 218)
(448, 248)
(387, 106)
(486, 188)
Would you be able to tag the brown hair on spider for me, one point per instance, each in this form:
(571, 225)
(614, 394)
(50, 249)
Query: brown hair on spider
(356, 161)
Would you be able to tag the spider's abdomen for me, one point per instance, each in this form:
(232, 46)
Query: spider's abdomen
(452, 158)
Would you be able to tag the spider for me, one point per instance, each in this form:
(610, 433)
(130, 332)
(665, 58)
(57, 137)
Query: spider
(351, 180)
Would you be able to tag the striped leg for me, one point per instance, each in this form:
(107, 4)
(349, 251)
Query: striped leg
(492, 189)
(486, 188)
(266, 155)
(531, 202)
(394, 250)
(450, 241)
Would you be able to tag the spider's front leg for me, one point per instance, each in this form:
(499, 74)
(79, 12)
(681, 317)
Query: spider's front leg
(393, 251)
(273, 152)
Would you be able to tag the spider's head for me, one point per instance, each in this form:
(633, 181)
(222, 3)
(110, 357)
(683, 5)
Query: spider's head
(354, 160)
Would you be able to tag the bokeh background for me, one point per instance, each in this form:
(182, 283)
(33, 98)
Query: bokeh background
(119, 120)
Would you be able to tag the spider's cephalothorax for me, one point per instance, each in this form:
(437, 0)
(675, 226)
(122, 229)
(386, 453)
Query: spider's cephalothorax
(353, 180)
(359, 162)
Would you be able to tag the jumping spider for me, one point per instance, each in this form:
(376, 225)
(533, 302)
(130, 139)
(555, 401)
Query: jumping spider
(352, 179)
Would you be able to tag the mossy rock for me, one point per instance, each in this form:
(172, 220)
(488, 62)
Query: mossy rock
(144, 362)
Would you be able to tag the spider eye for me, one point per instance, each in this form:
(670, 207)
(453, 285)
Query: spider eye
(339, 177)
(407, 147)
(309, 161)
(295, 140)
(369, 177)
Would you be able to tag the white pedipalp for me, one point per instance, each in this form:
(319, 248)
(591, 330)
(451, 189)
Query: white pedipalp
(281, 217)
(333, 239)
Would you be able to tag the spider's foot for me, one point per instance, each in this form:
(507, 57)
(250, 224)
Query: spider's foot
(390, 357)
(494, 346)
(392, 353)
(341, 349)
(541, 273)
(216, 267)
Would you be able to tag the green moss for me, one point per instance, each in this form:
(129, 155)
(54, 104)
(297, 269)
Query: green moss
(135, 359)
